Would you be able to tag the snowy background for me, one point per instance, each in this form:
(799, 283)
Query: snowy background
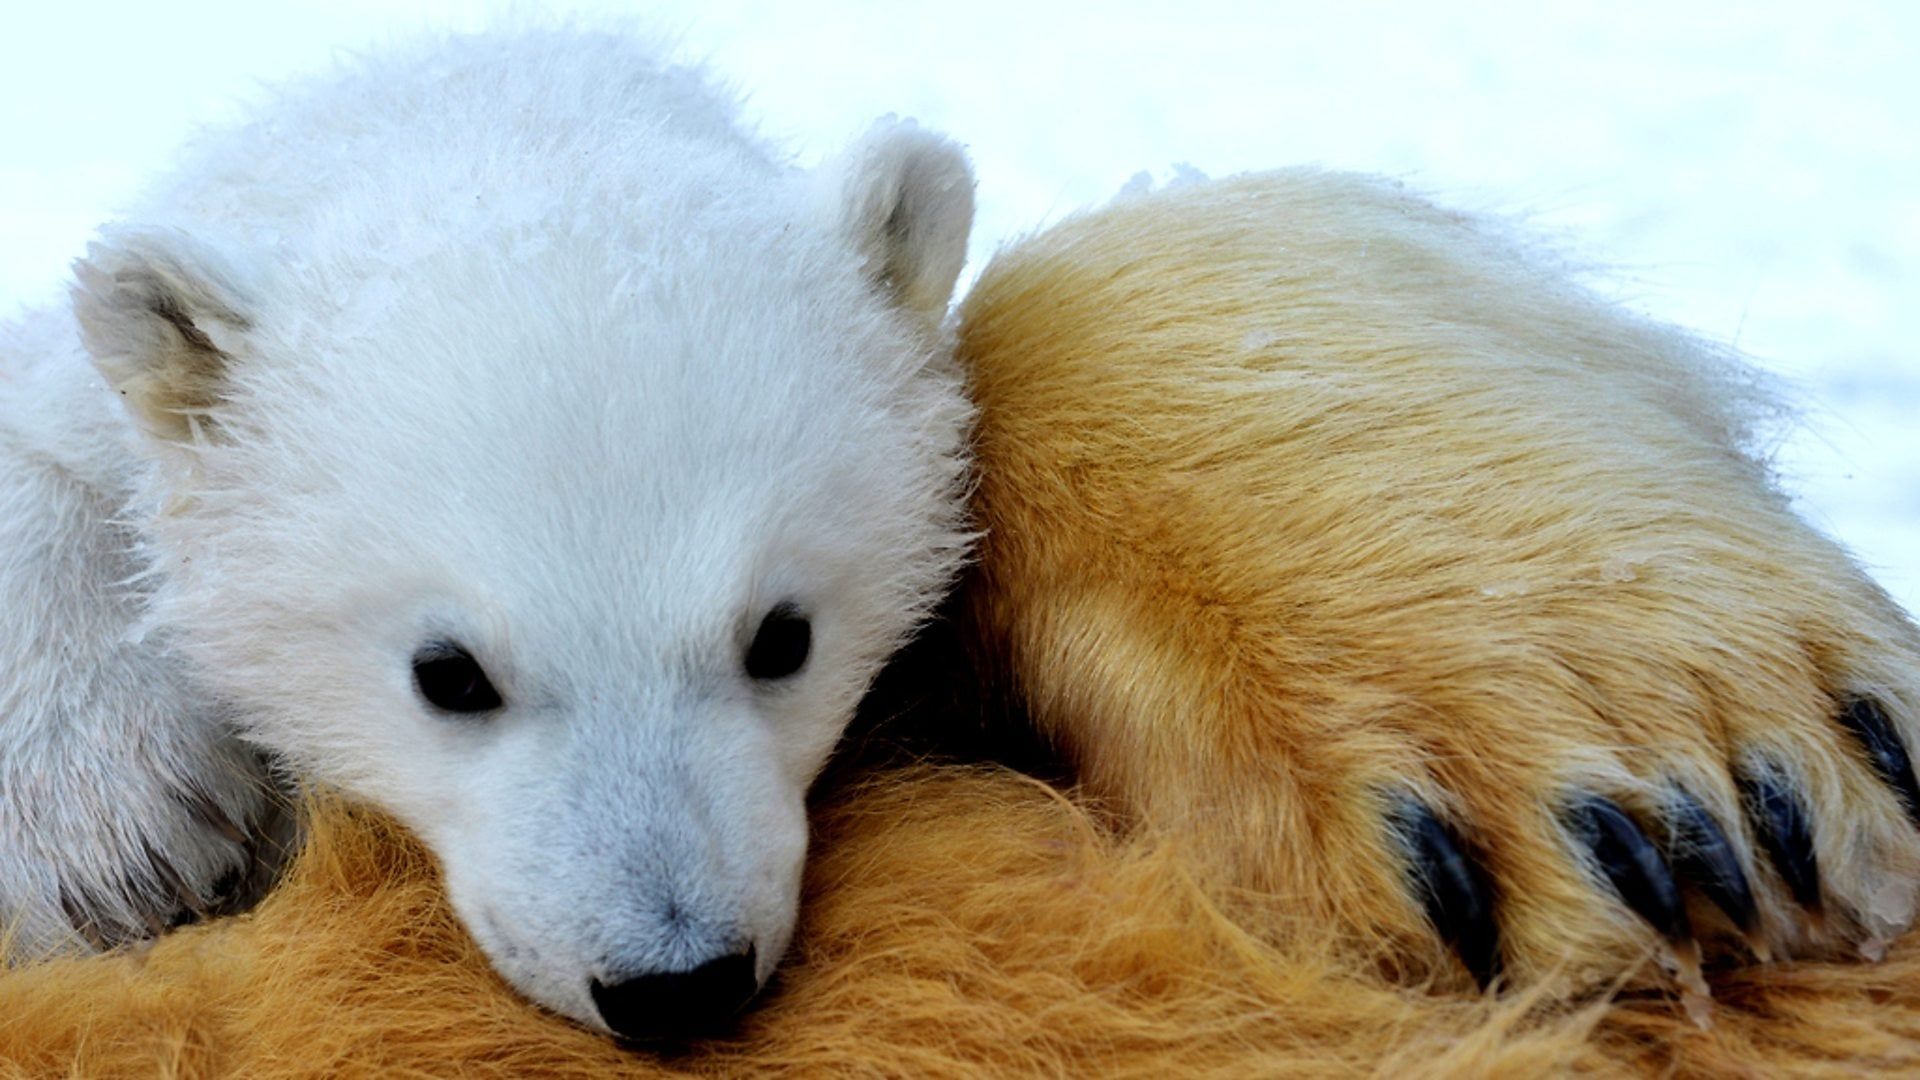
(1749, 170)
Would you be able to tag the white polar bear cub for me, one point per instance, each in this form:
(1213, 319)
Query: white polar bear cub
(497, 433)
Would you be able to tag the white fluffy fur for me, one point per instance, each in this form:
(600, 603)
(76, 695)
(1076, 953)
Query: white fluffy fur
(514, 340)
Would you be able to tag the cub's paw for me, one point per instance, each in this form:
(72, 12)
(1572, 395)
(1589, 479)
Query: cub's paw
(102, 851)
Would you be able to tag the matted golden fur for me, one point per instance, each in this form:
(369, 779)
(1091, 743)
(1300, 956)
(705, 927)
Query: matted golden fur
(958, 922)
(1305, 498)
(1299, 494)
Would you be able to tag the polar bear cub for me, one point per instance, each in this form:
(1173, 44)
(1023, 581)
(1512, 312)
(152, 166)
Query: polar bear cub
(497, 433)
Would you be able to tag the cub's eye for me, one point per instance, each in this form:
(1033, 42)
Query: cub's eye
(780, 645)
(450, 678)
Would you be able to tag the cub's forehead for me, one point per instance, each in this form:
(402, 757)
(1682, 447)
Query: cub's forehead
(720, 327)
(671, 397)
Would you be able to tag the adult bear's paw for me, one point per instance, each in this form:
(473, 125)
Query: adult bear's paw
(1410, 588)
(1761, 853)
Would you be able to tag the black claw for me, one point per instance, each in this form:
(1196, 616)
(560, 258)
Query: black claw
(1633, 865)
(1868, 721)
(1699, 852)
(1453, 889)
(1784, 831)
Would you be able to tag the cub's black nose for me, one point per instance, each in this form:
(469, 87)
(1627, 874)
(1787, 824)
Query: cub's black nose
(675, 1006)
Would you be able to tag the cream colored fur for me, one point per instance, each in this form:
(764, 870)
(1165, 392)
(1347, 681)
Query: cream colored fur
(514, 350)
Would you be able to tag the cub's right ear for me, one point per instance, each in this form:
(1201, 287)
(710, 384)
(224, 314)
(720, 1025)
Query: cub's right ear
(903, 196)
(163, 316)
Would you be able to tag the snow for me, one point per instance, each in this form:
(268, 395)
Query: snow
(1748, 170)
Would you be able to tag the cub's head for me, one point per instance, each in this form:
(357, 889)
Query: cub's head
(569, 533)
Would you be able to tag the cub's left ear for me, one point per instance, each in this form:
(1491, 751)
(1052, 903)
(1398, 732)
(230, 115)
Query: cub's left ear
(163, 315)
(904, 197)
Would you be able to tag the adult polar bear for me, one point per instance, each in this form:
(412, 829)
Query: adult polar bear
(514, 445)
(520, 451)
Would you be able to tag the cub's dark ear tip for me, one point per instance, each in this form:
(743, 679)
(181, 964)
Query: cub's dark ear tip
(1699, 852)
(1453, 888)
(1867, 720)
(1631, 864)
(1786, 834)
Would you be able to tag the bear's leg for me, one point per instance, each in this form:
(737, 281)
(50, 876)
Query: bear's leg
(1410, 588)
(1568, 778)
(125, 806)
